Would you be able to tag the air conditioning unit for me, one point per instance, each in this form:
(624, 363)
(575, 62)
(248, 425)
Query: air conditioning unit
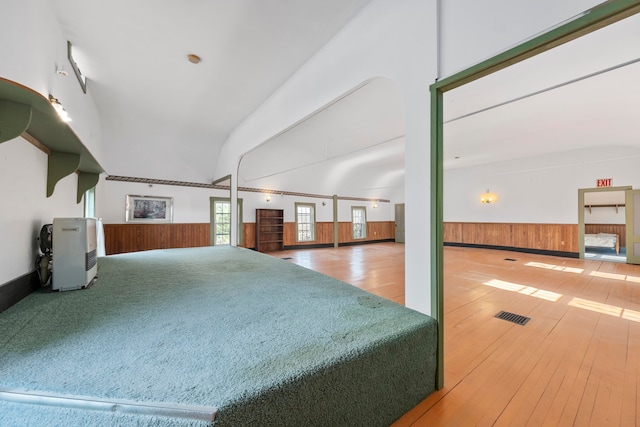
(74, 249)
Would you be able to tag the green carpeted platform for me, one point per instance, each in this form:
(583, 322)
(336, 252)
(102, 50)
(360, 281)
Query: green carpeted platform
(263, 341)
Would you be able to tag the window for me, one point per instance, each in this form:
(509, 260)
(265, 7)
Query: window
(359, 222)
(222, 222)
(90, 203)
(305, 222)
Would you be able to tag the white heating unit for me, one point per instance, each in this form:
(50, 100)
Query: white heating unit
(74, 248)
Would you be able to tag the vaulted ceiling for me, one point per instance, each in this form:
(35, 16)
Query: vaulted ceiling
(164, 117)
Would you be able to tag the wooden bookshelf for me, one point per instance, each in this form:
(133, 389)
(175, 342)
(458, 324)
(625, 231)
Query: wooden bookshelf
(269, 230)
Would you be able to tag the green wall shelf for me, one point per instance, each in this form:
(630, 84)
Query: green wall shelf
(25, 111)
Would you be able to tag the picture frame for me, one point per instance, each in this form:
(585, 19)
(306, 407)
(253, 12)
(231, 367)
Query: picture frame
(149, 209)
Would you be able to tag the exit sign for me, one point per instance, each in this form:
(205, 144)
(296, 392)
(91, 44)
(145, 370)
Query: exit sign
(605, 182)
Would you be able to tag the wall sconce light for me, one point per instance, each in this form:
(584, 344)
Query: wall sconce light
(61, 71)
(59, 109)
(375, 205)
(268, 199)
(488, 198)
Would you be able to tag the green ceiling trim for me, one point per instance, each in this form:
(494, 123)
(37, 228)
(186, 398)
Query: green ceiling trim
(14, 119)
(59, 166)
(86, 181)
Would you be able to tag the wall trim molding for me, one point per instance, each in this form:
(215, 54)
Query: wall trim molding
(244, 189)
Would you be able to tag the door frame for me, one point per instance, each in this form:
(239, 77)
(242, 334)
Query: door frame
(212, 215)
(598, 17)
(581, 192)
(630, 220)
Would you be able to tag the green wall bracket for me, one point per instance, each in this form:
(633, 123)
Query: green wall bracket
(59, 166)
(86, 181)
(14, 119)
(24, 111)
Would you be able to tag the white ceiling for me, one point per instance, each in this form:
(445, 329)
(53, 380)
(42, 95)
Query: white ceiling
(160, 109)
(353, 147)
(583, 94)
(171, 117)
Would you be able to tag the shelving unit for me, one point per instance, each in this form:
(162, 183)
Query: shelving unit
(269, 230)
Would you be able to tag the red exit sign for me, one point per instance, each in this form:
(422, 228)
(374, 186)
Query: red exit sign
(605, 182)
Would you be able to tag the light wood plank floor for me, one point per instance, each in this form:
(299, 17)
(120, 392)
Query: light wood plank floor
(575, 363)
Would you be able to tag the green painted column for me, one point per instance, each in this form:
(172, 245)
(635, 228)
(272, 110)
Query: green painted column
(335, 221)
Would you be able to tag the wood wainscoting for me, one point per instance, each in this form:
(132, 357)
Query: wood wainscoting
(376, 230)
(619, 229)
(539, 237)
(122, 238)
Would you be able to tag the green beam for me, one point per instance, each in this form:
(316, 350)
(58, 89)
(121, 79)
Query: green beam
(59, 166)
(15, 118)
(86, 181)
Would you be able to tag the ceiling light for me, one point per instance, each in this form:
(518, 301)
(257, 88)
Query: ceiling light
(59, 109)
(194, 59)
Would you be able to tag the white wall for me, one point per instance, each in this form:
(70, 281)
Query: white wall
(32, 45)
(536, 190)
(25, 207)
(190, 204)
(252, 201)
(607, 215)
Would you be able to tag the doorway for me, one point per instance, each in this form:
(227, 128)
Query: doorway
(602, 223)
(220, 221)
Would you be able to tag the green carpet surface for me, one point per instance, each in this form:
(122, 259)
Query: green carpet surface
(264, 341)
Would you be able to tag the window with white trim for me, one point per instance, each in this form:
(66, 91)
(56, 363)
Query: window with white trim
(222, 222)
(359, 222)
(305, 222)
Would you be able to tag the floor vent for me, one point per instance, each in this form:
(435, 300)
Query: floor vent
(287, 258)
(511, 317)
(509, 259)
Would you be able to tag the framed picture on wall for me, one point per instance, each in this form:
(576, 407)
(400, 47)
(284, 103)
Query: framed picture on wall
(149, 209)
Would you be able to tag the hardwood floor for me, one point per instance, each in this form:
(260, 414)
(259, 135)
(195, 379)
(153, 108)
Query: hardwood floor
(575, 363)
